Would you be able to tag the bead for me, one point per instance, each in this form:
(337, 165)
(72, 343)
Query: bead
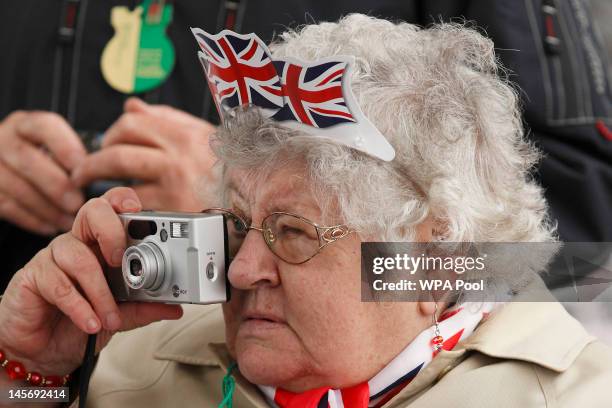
(53, 381)
(66, 379)
(437, 340)
(16, 370)
(35, 378)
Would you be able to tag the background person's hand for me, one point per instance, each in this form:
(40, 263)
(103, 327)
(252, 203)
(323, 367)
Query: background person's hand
(164, 149)
(61, 294)
(38, 150)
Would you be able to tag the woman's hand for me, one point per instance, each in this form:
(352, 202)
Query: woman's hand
(61, 295)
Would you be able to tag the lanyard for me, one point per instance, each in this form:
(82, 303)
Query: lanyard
(62, 94)
(230, 17)
(68, 20)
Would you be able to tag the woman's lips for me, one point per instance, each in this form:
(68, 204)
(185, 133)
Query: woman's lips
(261, 322)
(257, 315)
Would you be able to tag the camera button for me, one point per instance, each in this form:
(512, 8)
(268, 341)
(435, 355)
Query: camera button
(211, 271)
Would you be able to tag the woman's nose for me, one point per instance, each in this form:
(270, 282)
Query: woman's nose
(254, 264)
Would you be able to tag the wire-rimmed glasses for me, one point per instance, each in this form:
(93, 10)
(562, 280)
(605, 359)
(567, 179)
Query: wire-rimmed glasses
(291, 237)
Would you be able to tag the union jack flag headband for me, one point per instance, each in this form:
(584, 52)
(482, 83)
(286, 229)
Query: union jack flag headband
(313, 97)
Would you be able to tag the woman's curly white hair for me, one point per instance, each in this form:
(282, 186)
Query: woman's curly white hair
(440, 98)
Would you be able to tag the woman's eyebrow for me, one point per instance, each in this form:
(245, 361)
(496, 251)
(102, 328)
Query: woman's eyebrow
(237, 205)
(232, 188)
(292, 207)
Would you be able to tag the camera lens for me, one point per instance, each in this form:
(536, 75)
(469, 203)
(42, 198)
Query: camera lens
(136, 268)
(144, 266)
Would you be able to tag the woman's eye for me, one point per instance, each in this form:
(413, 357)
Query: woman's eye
(289, 231)
(238, 226)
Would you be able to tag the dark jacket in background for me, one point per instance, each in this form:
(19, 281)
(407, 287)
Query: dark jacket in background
(565, 93)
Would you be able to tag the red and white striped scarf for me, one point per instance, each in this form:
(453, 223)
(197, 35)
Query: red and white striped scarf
(456, 324)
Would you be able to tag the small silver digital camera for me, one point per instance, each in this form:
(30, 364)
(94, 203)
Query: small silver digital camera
(172, 258)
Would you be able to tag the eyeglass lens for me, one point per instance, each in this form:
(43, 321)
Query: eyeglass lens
(291, 238)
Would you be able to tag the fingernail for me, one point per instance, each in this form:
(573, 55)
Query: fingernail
(113, 321)
(72, 201)
(66, 222)
(92, 325)
(129, 205)
(117, 256)
(178, 314)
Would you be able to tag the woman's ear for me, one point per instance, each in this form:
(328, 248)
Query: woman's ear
(432, 229)
(427, 308)
(424, 231)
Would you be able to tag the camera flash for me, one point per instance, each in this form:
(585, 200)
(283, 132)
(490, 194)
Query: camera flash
(179, 229)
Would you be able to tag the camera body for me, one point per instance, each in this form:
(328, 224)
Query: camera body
(172, 258)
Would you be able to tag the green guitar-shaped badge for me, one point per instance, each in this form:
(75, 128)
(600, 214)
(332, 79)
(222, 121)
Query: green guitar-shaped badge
(140, 56)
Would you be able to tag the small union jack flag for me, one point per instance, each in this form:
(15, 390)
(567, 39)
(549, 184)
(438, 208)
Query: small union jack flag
(313, 93)
(314, 97)
(239, 70)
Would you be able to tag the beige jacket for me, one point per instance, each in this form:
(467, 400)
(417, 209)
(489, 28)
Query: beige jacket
(525, 355)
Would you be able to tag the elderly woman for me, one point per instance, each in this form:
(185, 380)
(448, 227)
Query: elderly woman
(296, 333)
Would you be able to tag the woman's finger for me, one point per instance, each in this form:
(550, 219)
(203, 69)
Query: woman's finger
(97, 223)
(57, 289)
(79, 262)
(134, 315)
(123, 199)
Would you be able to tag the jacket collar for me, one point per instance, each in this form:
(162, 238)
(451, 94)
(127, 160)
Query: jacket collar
(542, 333)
